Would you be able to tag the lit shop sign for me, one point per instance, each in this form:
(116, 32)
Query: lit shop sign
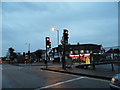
(26, 56)
(84, 58)
(81, 55)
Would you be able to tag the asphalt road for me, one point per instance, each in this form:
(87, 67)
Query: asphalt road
(34, 77)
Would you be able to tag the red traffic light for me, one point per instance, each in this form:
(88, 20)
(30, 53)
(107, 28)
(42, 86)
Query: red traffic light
(48, 43)
(66, 32)
(48, 39)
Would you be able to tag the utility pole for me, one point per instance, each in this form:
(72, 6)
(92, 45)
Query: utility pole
(28, 50)
(79, 53)
(54, 29)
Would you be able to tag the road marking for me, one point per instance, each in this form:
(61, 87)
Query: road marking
(59, 83)
(77, 76)
(70, 81)
(97, 79)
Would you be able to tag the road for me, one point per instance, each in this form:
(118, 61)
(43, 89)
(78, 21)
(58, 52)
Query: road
(35, 78)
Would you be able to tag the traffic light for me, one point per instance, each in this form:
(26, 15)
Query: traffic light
(65, 35)
(48, 43)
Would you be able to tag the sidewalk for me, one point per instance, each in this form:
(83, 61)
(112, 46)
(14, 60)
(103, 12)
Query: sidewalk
(101, 71)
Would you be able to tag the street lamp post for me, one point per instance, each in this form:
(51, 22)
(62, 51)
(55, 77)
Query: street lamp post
(58, 36)
(28, 46)
(54, 29)
(28, 49)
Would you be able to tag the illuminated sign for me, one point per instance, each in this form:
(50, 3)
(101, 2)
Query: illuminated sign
(84, 58)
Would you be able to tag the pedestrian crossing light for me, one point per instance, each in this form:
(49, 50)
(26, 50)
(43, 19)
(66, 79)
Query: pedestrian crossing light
(48, 43)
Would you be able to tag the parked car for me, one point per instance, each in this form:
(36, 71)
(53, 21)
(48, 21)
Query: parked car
(115, 82)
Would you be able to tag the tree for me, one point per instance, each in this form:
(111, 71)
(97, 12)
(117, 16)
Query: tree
(38, 54)
(11, 51)
(13, 55)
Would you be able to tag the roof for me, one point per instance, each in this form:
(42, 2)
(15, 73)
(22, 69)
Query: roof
(113, 51)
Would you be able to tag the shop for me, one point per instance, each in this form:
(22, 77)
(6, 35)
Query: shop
(82, 58)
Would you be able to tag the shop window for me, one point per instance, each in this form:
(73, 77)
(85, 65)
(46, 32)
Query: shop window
(82, 51)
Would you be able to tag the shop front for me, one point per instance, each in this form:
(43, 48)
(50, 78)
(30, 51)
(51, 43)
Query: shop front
(82, 58)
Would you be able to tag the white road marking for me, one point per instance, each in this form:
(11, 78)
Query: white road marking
(78, 76)
(97, 79)
(59, 83)
(70, 81)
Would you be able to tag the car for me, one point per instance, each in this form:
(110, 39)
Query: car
(115, 82)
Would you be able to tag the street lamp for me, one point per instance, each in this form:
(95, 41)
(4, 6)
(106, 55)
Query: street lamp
(28, 49)
(54, 29)
(28, 46)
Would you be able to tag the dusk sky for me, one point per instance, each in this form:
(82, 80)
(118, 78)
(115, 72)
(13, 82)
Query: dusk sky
(31, 22)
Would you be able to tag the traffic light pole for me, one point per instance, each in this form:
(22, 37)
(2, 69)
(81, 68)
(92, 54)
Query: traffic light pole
(65, 42)
(63, 58)
(48, 45)
(46, 59)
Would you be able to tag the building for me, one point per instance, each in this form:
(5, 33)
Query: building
(113, 53)
(75, 51)
(40, 55)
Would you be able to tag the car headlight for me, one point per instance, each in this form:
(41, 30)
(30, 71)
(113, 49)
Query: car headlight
(113, 80)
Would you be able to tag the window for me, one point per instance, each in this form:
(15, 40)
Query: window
(82, 51)
(76, 51)
(87, 51)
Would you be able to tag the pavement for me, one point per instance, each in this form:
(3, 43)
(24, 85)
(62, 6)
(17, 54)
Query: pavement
(101, 71)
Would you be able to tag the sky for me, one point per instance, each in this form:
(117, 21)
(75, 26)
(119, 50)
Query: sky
(25, 23)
